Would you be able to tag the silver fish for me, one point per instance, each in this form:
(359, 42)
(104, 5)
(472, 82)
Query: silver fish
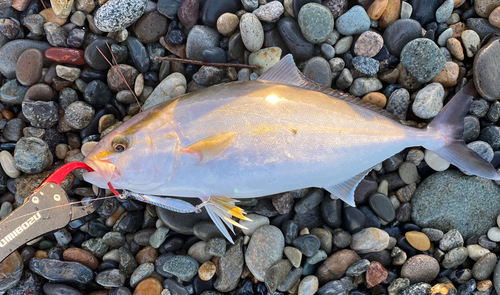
(278, 133)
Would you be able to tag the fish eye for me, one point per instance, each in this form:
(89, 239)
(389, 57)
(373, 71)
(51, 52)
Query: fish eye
(119, 144)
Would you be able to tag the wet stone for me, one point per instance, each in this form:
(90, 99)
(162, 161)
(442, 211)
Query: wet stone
(96, 247)
(353, 220)
(216, 247)
(269, 12)
(418, 240)
(483, 268)
(335, 266)
(376, 274)
(369, 240)
(307, 244)
(94, 58)
(111, 278)
(169, 8)
(56, 271)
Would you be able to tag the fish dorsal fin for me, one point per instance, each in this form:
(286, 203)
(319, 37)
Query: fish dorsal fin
(345, 190)
(286, 72)
(211, 147)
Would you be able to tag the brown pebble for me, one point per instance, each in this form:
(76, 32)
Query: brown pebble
(455, 48)
(29, 67)
(39, 91)
(188, 13)
(418, 240)
(443, 289)
(484, 285)
(7, 114)
(105, 122)
(147, 254)
(391, 13)
(42, 254)
(376, 98)
(20, 5)
(283, 203)
(116, 75)
(368, 44)
(377, 8)
(227, 23)
(457, 3)
(149, 286)
(206, 271)
(448, 77)
(389, 76)
(335, 266)
(51, 17)
(376, 274)
(484, 8)
(494, 17)
(420, 268)
(59, 83)
(458, 29)
(81, 256)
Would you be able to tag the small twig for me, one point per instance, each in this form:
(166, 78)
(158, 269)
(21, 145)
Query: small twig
(203, 63)
(45, 7)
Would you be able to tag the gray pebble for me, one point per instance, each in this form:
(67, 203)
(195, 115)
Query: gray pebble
(362, 86)
(5, 209)
(429, 101)
(182, 266)
(31, 155)
(444, 11)
(343, 45)
(113, 239)
(34, 23)
(318, 70)
(41, 114)
(358, 268)
(423, 59)
(264, 249)
(398, 103)
(366, 65)
(63, 237)
(482, 269)
(328, 51)
(493, 112)
(315, 22)
(471, 128)
(451, 239)
(199, 39)
(491, 134)
(79, 114)
(10, 52)
(455, 257)
(354, 21)
(216, 247)
(345, 79)
(140, 273)
(416, 289)
(230, 268)
(341, 238)
(447, 34)
(158, 237)
(433, 234)
(56, 35)
(111, 278)
(483, 149)
(406, 10)
(252, 32)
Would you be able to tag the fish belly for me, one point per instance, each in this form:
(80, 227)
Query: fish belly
(287, 138)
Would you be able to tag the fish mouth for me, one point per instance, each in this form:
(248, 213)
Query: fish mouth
(104, 172)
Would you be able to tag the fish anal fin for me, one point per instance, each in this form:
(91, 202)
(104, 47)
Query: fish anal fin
(286, 72)
(345, 190)
(211, 147)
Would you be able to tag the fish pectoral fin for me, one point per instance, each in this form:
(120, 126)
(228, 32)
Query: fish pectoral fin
(211, 147)
(221, 210)
(345, 190)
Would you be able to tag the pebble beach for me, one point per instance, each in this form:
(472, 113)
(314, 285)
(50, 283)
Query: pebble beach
(420, 226)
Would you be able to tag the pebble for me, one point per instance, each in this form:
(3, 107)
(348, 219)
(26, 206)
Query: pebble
(485, 70)
(335, 266)
(368, 44)
(149, 286)
(116, 15)
(376, 98)
(213, 9)
(94, 58)
(79, 114)
(276, 274)
(199, 39)
(294, 255)
(318, 70)
(369, 240)
(81, 256)
(354, 21)
(307, 244)
(111, 278)
(358, 268)
(483, 268)
(398, 103)
(376, 274)
(483, 8)
(420, 268)
(315, 22)
(252, 32)
(188, 13)
(168, 8)
(429, 101)
(206, 271)
(308, 286)
(476, 251)
(170, 88)
(399, 33)
(31, 155)
(227, 23)
(423, 59)
(343, 45)
(69, 56)
(494, 17)
(270, 12)
(444, 11)
(365, 65)
(264, 249)
(382, 206)
(29, 67)
(150, 27)
(290, 32)
(390, 14)
(362, 86)
(454, 257)
(7, 162)
(448, 77)
(56, 271)
(377, 8)
(265, 58)
(140, 273)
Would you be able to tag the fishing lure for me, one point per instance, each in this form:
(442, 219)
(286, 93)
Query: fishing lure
(278, 133)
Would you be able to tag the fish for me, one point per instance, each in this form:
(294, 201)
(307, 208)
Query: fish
(278, 133)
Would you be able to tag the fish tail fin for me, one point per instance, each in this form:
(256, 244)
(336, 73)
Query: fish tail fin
(449, 123)
(221, 210)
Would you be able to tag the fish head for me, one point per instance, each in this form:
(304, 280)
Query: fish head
(136, 154)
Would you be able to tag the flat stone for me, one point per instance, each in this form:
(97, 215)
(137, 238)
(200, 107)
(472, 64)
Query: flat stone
(57, 271)
(429, 101)
(199, 39)
(29, 67)
(376, 274)
(454, 257)
(369, 240)
(230, 268)
(10, 53)
(482, 269)
(486, 70)
(318, 70)
(11, 270)
(418, 240)
(382, 206)
(423, 59)
(298, 45)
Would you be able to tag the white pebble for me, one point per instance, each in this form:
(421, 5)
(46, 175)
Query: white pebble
(406, 10)
(88, 147)
(494, 234)
(476, 251)
(435, 162)
(7, 162)
(197, 251)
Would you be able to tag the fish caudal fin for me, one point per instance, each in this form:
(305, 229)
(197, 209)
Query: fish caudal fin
(449, 123)
(221, 210)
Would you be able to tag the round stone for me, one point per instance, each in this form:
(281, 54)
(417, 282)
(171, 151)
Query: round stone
(206, 271)
(150, 27)
(335, 266)
(399, 33)
(494, 234)
(264, 249)
(252, 32)
(429, 101)
(265, 58)
(418, 240)
(486, 70)
(93, 55)
(354, 21)
(443, 200)
(368, 44)
(376, 98)
(444, 11)
(454, 257)
(29, 67)
(420, 268)
(483, 268)
(315, 22)
(423, 59)
(366, 65)
(448, 77)
(494, 17)
(377, 8)
(391, 13)
(199, 39)
(227, 23)
(82, 256)
(41, 114)
(31, 155)
(369, 240)
(318, 70)
(182, 266)
(149, 286)
(362, 86)
(117, 15)
(308, 285)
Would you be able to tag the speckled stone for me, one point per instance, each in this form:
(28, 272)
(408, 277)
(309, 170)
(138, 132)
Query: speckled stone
(368, 44)
(420, 268)
(116, 15)
(354, 21)
(460, 195)
(315, 22)
(252, 32)
(335, 266)
(264, 249)
(423, 59)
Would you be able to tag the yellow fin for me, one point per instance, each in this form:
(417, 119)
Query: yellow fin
(211, 147)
